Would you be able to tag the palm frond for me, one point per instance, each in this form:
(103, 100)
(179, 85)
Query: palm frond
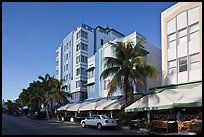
(108, 71)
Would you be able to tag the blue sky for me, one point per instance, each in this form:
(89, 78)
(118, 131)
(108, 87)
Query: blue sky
(32, 31)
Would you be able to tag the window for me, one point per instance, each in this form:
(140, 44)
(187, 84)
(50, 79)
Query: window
(172, 67)
(90, 88)
(78, 34)
(194, 31)
(69, 43)
(84, 46)
(182, 36)
(106, 82)
(182, 64)
(67, 56)
(80, 83)
(194, 61)
(67, 46)
(66, 77)
(57, 71)
(101, 41)
(78, 47)
(91, 74)
(81, 71)
(78, 71)
(77, 84)
(83, 59)
(172, 40)
(82, 34)
(66, 66)
(77, 59)
(57, 63)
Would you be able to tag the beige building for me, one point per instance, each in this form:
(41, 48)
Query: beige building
(181, 30)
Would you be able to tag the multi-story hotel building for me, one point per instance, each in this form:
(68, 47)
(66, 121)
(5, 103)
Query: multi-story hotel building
(181, 29)
(97, 87)
(73, 53)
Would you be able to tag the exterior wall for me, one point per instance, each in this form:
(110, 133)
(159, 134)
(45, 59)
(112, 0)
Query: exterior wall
(154, 58)
(178, 24)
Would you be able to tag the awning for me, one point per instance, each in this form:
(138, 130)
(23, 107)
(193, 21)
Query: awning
(92, 105)
(191, 99)
(116, 105)
(90, 69)
(76, 107)
(163, 100)
(65, 107)
(107, 103)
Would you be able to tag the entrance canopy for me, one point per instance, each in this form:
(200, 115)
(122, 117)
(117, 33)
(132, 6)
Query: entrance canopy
(169, 98)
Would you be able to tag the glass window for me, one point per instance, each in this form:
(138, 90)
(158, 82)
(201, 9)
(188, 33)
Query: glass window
(67, 56)
(194, 35)
(182, 32)
(90, 88)
(66, 66)
(194, 28)
(194, 61)
(78, 47)
(172, 44)
(66, 77)
(182, 64)
(172, 40)
(77, 59)
(172, 67)
(182, 40)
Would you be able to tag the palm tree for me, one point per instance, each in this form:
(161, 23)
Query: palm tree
(45, 87)
(130, 69)
(56, 93)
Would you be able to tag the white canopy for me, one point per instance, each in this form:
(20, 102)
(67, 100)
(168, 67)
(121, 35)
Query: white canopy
(64, 107)
(107, 103)
(117, 105)
(77, 106)
(193, 98)
(92, 105)
(166, 99)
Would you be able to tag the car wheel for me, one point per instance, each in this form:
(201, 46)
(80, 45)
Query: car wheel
(83, 124)
(99, 126)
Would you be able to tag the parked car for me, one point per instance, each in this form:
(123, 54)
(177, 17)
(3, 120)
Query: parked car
(99, 121)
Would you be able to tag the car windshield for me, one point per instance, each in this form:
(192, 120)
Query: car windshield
(105, 117)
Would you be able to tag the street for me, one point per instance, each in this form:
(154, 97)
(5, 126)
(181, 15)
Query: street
(13, 125)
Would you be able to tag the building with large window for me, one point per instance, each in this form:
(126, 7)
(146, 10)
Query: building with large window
(73, 53)
(97, 87)
(181, 29)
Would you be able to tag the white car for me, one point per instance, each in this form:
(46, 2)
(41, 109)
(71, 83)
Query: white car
(99, 121)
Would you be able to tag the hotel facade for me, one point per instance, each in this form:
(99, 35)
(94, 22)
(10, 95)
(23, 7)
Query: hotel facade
(80, 60)
(97, 87)
(181, 38)
(73, 53)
